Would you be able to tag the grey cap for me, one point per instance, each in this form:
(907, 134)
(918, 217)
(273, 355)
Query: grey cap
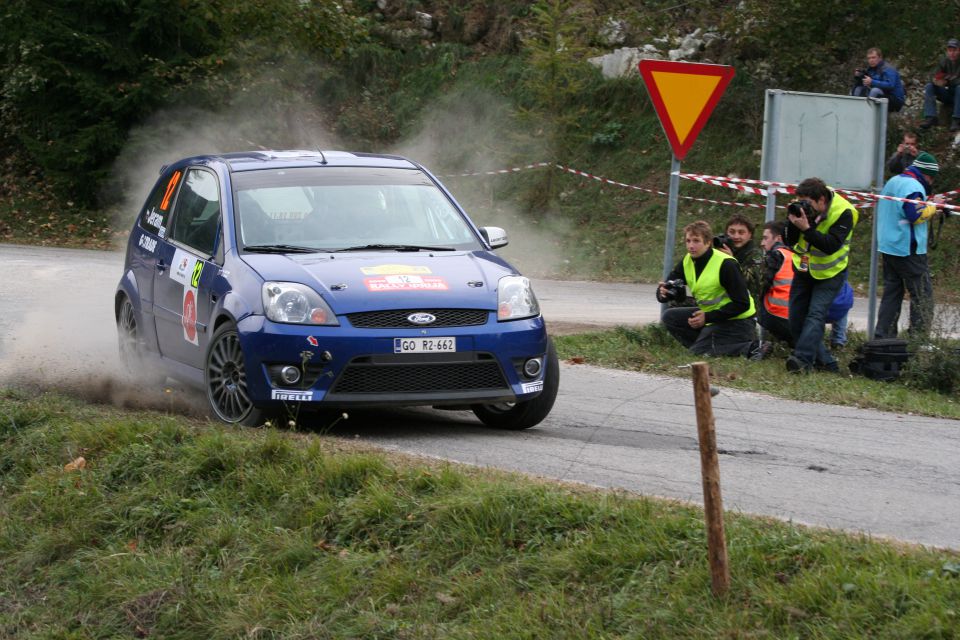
(953, 43)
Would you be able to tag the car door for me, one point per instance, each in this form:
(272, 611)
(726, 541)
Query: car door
(186, 269)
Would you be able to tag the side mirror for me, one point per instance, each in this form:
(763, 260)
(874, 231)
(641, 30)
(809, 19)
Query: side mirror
(495, 237)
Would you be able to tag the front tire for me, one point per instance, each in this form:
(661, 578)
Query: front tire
(225, 380)
(523, 415)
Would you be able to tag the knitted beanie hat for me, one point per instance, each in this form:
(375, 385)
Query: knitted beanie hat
(926, 164)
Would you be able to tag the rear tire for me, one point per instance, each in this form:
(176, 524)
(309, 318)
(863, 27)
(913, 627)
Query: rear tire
(523, 415)
(225, 380)
(136, 364)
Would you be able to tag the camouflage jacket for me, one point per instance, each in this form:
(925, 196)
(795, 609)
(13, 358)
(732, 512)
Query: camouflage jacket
(750, 257)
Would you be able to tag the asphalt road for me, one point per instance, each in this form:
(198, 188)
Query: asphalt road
(880, 473)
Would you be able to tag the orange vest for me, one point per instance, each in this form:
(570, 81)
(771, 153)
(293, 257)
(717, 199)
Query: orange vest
(777, 299)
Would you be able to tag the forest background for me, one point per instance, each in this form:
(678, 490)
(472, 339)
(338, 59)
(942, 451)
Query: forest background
(96, 95)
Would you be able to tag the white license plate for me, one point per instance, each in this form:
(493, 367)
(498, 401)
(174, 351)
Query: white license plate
(424, 345)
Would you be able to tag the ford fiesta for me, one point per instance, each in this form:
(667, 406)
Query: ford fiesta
(278, 281)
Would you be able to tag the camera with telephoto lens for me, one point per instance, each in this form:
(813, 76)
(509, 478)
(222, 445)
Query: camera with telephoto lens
(676, 290)
(722, 240)
(801, 208)
(858, 76)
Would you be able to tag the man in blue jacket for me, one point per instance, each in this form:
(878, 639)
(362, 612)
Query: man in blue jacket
(902, 240)
(880, 80)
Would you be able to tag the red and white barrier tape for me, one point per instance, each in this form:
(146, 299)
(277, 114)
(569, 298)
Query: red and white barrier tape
(782, 187)
(738, 184)
(578, 172)
(535, 165)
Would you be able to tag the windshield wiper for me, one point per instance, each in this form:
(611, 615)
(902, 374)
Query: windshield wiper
(396, 247)
(280, 248)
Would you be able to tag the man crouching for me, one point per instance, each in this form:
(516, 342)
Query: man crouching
(722, 323)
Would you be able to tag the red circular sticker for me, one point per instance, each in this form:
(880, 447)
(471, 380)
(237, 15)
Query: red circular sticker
(190, 315)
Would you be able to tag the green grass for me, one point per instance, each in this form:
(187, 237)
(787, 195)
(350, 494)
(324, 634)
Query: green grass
(651, 349)
(177, 529)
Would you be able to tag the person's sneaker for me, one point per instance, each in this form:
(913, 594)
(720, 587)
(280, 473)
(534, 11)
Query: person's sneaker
(795, 365)
(837, 346)
(955, 125)
(930, 121)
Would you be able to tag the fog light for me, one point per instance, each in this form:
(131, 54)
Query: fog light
(290, 375)
(532, 367)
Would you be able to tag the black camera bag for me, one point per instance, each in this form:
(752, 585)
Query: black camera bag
(881, 359)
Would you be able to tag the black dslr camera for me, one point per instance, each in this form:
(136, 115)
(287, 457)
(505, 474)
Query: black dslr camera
(858, 75)
(676, 290)
(802, 208)
(722, 240)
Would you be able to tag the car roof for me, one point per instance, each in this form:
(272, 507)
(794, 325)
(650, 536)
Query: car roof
(269, 159)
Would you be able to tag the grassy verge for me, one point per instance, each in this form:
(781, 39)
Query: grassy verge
(653, 350)
(176, 529)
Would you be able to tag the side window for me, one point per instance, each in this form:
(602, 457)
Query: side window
(156, 212)
(198, 212)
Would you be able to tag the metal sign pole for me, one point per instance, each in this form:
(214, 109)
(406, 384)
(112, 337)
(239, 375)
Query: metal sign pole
(671, 237)
(878, 187)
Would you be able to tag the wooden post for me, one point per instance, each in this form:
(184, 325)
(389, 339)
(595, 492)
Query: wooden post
(710, 471)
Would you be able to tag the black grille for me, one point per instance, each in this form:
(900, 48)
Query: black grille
(420, 378)
(397, 319)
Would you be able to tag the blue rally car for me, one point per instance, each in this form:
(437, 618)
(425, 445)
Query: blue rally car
(306, 279)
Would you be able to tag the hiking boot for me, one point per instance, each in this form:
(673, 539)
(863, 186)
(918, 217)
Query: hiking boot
(795, 365)
(955, 125)
(930, 121)
(830, 367)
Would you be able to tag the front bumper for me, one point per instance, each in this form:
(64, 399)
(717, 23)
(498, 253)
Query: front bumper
(348, 366)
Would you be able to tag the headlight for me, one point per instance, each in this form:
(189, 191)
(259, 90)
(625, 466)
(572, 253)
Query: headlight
(296, 304)
(515, 299)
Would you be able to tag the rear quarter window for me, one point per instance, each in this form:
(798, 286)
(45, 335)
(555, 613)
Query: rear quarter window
(156, 211)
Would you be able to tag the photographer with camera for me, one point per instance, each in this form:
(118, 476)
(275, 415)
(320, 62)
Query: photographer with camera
(819, 227)
(722, 323)
(879, 80)
(906, 153)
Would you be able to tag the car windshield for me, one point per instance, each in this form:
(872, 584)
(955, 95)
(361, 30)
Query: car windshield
(338, 208)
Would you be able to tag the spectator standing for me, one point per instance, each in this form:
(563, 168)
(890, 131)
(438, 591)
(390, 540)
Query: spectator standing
(723, 322)
(819, 228)
(945, 87)
(905, 154)
(880, 80)
(902, 241)
(749, 256)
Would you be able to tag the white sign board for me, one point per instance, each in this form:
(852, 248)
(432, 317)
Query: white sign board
(839, 139)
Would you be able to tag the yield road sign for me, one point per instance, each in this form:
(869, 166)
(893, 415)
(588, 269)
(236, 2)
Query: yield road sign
(684, 95)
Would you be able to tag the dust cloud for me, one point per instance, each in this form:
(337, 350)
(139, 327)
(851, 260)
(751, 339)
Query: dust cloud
(59, 333)
(476, 132)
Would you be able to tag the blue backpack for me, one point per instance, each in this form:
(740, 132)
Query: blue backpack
(841, 304)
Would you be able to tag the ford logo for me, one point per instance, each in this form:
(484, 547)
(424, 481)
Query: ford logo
(421, 318)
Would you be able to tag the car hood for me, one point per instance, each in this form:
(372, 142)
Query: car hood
(357, 282)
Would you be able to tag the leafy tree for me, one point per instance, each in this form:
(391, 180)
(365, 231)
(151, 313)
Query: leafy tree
(75, 75)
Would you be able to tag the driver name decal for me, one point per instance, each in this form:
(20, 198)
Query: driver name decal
(406, 283)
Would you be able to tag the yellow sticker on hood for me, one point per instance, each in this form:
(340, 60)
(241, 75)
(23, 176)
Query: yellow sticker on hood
(394, 270)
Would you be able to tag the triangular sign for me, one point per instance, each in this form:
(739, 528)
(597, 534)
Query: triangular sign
(684, 95)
